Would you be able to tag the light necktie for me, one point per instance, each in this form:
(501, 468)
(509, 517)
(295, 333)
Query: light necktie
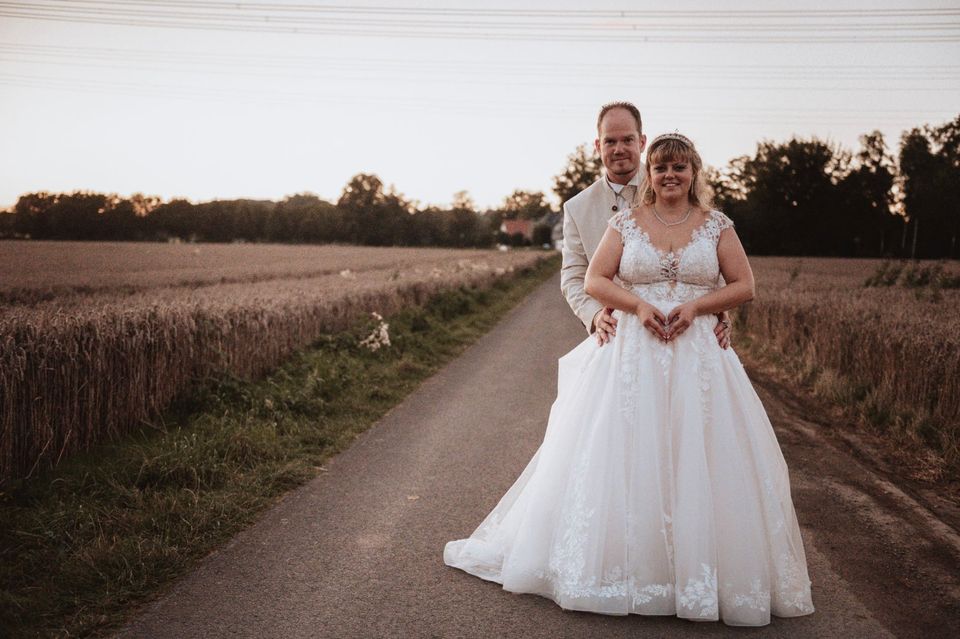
(625, 197)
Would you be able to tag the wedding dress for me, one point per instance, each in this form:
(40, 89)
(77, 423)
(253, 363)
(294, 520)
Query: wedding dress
(659, 487)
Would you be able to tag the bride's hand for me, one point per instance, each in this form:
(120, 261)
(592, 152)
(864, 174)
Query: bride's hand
(653, 319)
(680, 319)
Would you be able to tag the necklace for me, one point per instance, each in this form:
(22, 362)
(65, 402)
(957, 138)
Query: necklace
(619, 196)
(665, 223)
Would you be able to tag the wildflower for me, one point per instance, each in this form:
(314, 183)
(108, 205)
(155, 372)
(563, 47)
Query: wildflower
(380, 335)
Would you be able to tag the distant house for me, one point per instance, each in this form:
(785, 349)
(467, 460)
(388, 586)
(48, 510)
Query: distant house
(523, 227)
(532, 230)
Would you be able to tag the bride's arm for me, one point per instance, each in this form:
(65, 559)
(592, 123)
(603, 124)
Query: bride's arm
(598, 282)
(736, 272)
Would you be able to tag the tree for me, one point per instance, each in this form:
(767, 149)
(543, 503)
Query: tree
(947, 138)
(77, 215)
(143, 205)
(525, 205)
(463, 201)
(374, 215)
(583, 169)
(930, 183)
(867, 191)
(727, 185)
(285, 223)
(32, 214)
(307, 218)
(542, 234)
(8, 220)
(119, 221)
(785, 198)
(465, 227)
(175, 218)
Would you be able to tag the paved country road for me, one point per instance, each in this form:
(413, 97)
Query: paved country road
(357, 552)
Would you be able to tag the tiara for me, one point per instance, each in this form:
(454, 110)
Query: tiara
(673, 136)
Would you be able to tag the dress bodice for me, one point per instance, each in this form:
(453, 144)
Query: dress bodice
(679, 275)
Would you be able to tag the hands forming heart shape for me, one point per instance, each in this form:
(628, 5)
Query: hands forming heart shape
(667, 327)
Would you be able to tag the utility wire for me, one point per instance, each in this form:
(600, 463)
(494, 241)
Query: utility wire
(530, 37)
(645, 80)
(500, 111)
(537, 13)
(199, 62)
(508, 105)
(792, 26)
(283, 60)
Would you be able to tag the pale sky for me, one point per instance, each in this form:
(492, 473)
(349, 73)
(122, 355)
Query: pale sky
(264, 99)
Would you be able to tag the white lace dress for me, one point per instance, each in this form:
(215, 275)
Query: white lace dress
(659, 487)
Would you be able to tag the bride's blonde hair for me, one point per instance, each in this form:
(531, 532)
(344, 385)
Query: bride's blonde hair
(671, 147)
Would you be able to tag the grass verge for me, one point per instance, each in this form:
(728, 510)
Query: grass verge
(81, 546)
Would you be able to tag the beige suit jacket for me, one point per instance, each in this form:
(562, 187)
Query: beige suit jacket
(585, 218)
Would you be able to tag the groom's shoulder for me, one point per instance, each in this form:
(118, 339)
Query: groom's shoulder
(583, 196)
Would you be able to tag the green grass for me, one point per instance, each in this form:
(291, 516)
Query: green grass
(108, 529)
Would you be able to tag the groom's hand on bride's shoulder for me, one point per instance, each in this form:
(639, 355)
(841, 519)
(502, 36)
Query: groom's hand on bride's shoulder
(605, 325)
(723, 329)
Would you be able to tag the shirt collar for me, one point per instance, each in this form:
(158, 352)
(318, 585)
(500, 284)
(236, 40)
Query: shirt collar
(635, 181)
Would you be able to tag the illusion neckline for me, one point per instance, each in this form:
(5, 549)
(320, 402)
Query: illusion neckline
(675, 252)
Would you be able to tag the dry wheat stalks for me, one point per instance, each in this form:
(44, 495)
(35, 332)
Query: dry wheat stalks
(901, 347)
(74, 373)
(32, 272)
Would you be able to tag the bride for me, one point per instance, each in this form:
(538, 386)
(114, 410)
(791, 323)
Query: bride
(659, 487)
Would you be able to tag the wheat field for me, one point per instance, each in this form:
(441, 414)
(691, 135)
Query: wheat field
(890, 353)
(98, 338)
(34, 272)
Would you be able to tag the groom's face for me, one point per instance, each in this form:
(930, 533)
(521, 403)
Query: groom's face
(620, 145)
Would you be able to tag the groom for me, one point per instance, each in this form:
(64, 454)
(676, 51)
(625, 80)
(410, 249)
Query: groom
(620, 141)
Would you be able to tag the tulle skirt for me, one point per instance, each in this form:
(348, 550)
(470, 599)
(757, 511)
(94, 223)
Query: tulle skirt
(659, 489)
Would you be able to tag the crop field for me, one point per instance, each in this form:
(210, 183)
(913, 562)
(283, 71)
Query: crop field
(32, 272)
(98, 338)
(881, 338)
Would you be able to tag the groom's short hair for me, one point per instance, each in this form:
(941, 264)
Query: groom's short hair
(634, 111)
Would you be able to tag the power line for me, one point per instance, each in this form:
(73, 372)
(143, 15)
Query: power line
(470, 105)
(530, 37)
(196, 61)
(579, 14)
(844, 26)
(459, 65)
(193, 12)
(499, 79)
(831, 78)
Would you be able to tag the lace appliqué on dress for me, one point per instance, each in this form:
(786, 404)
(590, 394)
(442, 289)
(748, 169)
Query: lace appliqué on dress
(565, 569)
(757, 598)
(707, 363)
(793, 589)
(613, 584)
(677, 276)
(700, 595)
(567, 561)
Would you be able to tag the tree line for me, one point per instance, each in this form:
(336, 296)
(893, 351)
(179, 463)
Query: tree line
(798, 197)
(811, 197)
(366, 213)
